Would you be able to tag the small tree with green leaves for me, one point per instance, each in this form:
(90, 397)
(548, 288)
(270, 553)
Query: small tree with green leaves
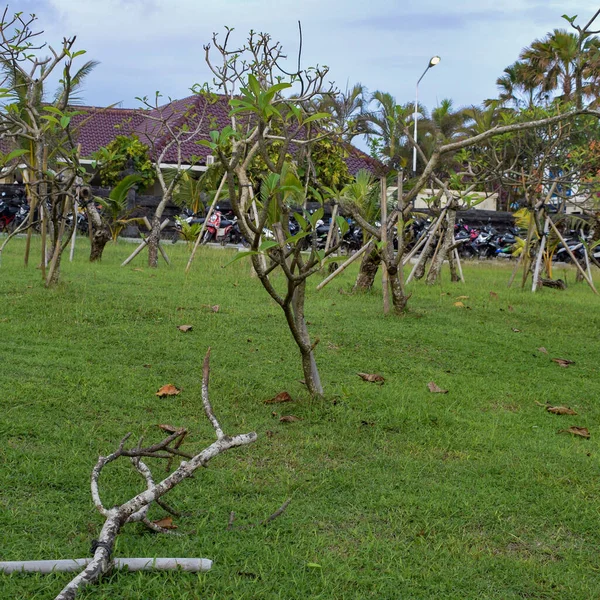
(266, 124)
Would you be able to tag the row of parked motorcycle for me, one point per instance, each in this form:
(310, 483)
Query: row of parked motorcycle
(474, 243)
(14, 210)
(222, 227)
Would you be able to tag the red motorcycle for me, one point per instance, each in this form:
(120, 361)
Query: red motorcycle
(218, 228)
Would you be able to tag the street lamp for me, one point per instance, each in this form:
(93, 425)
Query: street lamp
(434, 61)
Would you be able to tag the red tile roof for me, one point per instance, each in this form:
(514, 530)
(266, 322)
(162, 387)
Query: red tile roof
(98, 126)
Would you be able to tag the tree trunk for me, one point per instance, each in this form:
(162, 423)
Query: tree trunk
(437, 263)
(153, 241)
(368, 270)
(312, 378)
(423, 258)
(100, 232)
(399, 296)
(454, 276)
(99, 241)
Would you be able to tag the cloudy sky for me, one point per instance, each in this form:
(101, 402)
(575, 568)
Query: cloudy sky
(149, 45)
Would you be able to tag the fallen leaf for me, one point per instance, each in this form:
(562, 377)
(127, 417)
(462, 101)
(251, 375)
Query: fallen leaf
(493, 296)
(543, 350)
(462, 298)
(281, 397)
(168, 390)
(332, 346)
(215, 308)
(435, 388)
(516, 330)
(510, 308)
(165, 523)
(170, 428)
(138, 270)
(459, 304)
(563, 362)
(372, 377)
(580, 431)
(184, 328)
(560, 410)
(269, 433)
(289, 419)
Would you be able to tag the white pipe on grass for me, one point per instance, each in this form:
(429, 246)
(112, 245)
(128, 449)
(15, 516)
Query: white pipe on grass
(193, 565)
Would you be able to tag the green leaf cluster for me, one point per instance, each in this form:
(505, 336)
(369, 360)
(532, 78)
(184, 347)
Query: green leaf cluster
(113, 159)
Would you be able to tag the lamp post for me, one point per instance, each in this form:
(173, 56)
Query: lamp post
(434, 61)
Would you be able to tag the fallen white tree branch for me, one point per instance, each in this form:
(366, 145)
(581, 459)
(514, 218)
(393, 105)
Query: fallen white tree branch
(136, 508)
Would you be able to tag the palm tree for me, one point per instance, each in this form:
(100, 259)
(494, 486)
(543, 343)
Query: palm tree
(346, 109)
(384, 128)
(564, 62)
(519, 86)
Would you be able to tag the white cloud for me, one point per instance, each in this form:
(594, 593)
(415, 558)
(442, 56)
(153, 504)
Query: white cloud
(148, 45)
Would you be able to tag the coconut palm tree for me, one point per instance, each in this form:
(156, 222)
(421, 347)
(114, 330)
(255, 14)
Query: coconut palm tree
(519, 87)
(563, 62)
(346, 109)
(384, 128)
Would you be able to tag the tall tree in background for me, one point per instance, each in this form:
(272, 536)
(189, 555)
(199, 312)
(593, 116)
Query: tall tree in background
(39, 131)
(346, 109)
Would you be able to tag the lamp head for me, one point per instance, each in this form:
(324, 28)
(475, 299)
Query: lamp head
(434, 61)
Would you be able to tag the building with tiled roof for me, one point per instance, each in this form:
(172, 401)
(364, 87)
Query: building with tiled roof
(96, 127)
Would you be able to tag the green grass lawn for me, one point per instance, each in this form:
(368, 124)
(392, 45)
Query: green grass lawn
(396, 492)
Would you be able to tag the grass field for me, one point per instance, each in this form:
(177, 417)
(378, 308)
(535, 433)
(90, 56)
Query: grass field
(396, 492)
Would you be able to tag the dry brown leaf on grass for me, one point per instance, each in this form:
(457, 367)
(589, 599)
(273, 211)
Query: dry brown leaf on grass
(563, 362)
(435, 388)
(289, 419)
(184, 328)
(168, 390)
(580, 431)
(372, 377)
(542, 350)
(459, 304)
(281, 397)
(462, 298)
(510, 308)
(516, 330)
(560, 410)
(165, 523)
(138, 270)
(493, 296)
(170, 428)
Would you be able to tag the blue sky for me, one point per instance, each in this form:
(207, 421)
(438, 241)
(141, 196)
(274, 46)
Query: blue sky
(149, 45)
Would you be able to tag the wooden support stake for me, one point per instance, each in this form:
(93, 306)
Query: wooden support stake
(30, 216)
(459, 265)
(208, 215)
(344, 265)
(560, 237)
(332, 227)
(74, 234)
(385, 285)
